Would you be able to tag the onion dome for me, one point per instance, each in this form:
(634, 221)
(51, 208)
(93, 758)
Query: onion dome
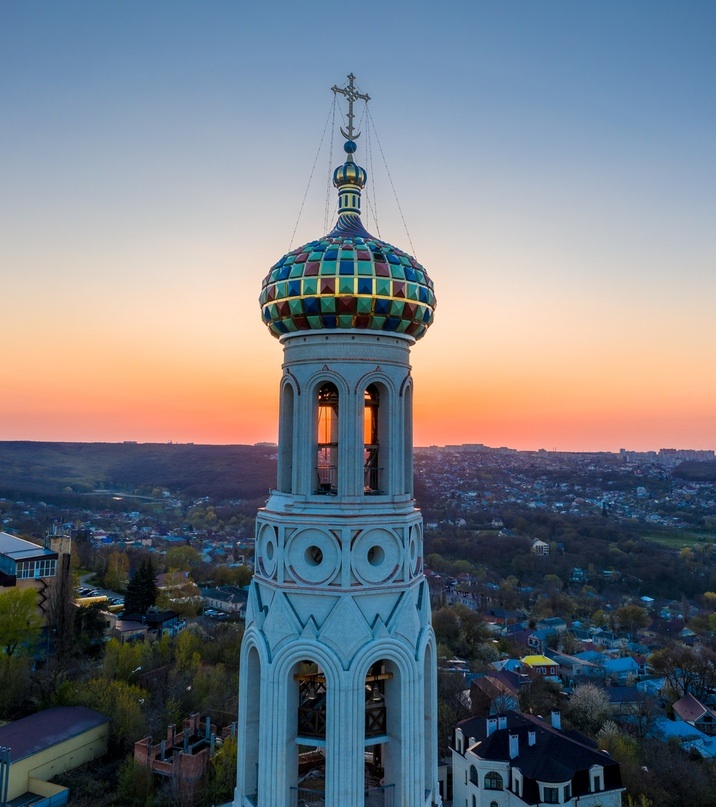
(348, 278)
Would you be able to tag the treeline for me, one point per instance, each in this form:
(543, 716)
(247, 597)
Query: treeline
(591, 544)
(29, 469)
(696, 471)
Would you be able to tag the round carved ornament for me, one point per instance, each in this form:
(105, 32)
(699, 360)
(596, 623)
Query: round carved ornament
(312, 556)
(267, 551)
(376, 556)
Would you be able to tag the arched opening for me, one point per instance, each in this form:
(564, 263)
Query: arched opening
(382, 733)
(253, 723)
(430, 751)
(473, 775)
(327, 441)
(309, 747)
(285, 440)
(493, 781)
(408, 439)
(371, 440)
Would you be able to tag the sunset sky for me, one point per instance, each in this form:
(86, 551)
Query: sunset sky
(555, 164)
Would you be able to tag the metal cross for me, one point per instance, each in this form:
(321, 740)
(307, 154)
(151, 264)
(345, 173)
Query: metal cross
(351, 95)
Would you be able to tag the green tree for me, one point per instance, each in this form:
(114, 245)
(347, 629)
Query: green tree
(182, 559)
(232, 575)
(117, 571)
(20, 622)
(121, 702)
(180, 593)
(688, 670)
(541, 697)
(451, 708)
(142, 589)
(121, 660)
(631, 617)
(90, 623)
(222, 774)
(135, 784)
(60, 609)
(569, 643)
(14, 684)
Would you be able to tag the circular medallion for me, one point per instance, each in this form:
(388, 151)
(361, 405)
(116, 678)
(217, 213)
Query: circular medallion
(266, 551)
(376, 556)
(414, 550)
(312, 556)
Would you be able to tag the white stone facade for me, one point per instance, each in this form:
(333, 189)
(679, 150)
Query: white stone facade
(339, 585)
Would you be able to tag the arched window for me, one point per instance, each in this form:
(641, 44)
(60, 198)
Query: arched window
(327, 443)
(493, 781)
(473, 774)
(474, 802)
(285, 440)
(493, 804)
(371, 467)
(311, 701)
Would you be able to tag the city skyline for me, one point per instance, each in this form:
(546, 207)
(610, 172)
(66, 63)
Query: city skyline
(554, 166)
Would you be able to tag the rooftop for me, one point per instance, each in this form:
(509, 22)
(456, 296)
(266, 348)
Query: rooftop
(42, 730)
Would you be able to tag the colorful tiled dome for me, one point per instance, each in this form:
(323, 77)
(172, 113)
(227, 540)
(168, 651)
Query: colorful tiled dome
(348, 278)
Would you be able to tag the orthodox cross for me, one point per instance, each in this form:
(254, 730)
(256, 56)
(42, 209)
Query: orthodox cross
(351, 95)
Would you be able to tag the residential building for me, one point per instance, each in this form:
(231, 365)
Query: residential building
(517, 759)
(540, 547)
(228, 599)
(542, 666)
(34, 749)
(693, 712)
(23, 563)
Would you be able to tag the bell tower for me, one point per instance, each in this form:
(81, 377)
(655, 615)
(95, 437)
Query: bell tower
(338, 682)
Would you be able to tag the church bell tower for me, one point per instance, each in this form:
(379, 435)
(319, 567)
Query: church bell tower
(338, 689)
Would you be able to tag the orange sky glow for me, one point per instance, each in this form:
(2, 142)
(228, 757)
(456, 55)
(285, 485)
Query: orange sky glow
(559, 185)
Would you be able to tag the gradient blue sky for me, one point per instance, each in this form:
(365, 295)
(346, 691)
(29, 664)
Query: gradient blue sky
(554, 163)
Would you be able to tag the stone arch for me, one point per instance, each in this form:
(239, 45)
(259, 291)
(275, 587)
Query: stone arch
(402, 690)
(329, 441)
(287, 665)
(406, 395)
(379, 449)
(429, 712)
(253, 660)
(287, 427)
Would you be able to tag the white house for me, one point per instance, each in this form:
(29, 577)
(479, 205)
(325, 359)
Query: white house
(516, 759)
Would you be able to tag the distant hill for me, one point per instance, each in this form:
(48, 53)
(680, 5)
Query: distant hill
(694, 471)
(222, 472)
